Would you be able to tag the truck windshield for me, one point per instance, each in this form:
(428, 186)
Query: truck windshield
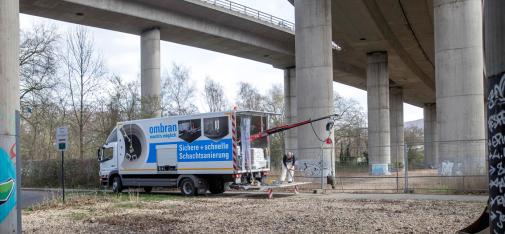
(112, 137)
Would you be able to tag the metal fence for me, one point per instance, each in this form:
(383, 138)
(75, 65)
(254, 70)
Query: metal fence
(253, 13)
(352, 171)
(411, 174)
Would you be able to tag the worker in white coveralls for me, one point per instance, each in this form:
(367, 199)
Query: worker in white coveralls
(288, 166)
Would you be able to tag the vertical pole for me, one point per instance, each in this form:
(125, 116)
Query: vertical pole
(322, 168)
(397, 167)
(494, 54)
(18, 168)
(63, 175)
(406, 169)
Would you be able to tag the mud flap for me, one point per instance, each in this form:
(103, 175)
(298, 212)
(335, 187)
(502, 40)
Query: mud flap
(481, 225)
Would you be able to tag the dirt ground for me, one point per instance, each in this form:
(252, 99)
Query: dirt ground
(246, 213)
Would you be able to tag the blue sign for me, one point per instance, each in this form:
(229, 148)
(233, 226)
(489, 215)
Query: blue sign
(203, 151)
(197, 151)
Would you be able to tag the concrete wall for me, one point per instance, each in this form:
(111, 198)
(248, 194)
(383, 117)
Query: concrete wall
(314, 79)
(9, 104)
(290, 108)
(378, 109)
(396, 125)
(150, 80)
(459, 82)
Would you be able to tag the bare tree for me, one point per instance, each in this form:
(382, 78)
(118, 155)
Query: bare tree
(84, 70)
(350, 134)
(38, 60)
(414, 139)
(126, 98)
(177, 92)
(274, 102)
(38, 79)
(214, 96)
(249, 97)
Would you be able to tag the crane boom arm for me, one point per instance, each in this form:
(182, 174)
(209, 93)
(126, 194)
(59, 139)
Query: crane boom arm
(286, 127)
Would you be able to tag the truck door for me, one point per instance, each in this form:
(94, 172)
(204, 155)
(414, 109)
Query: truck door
(108, 161)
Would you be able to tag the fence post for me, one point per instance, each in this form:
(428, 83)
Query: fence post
(406, 169)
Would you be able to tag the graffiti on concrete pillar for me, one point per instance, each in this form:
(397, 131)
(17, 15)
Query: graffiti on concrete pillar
(496, 157)
(312, 168)
(12, 152)
(7, 183)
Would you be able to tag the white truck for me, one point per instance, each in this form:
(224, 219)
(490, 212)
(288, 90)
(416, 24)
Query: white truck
(195, 153)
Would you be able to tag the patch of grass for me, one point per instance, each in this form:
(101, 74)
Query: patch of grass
(87, 199)
(133, 196)
(78, 216)
(128, 205)
(160, 197)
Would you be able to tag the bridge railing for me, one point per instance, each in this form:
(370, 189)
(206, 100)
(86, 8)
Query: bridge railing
(236, 7)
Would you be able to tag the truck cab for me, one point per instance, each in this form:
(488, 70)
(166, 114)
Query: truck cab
(107, 158)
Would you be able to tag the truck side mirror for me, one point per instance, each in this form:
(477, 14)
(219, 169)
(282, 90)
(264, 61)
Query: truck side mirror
(99, 154)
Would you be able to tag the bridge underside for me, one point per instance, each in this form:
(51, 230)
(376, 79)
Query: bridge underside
(204, 26)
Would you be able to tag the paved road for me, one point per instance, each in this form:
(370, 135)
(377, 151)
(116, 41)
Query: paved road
(33, 197)
(30, 197)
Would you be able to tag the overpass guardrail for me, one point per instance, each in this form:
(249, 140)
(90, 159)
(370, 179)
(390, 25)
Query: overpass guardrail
(236, 7)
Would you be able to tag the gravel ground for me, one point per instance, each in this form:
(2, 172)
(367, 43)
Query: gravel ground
(248, 214)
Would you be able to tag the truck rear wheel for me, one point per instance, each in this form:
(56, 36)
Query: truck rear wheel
(188, 187)
(216, 186)
(148, 189)
(117, 185)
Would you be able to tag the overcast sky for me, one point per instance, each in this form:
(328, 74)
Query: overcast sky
(121, 53)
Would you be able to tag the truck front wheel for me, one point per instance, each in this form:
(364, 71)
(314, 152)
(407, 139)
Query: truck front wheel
(188, 187)
(117, 185)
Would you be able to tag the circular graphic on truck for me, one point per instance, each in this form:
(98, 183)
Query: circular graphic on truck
(132, 144)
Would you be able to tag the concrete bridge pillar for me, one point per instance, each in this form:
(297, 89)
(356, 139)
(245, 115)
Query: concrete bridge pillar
(396, 126)
(430, 135)
(379, 152)
(314, 82)
(494, 45)
(290, 138)
(9, 104)
(459, 82)
(150, 80)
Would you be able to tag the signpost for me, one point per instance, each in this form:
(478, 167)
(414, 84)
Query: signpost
(61, 144)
